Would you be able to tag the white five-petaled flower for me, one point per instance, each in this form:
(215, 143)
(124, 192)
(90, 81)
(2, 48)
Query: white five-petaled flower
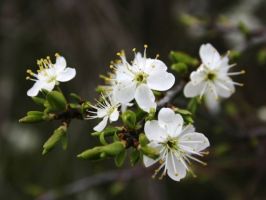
(212, 79)
(50, 74)
(138, 79)
(107, 109)
(177, 145)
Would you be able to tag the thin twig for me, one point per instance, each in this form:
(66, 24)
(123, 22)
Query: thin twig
(171, 94)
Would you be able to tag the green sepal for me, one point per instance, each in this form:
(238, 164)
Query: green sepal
(57, 136)
(129, 119)
(56, 102)
(120, 158)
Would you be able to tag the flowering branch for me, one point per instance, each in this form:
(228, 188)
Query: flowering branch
(135, 98)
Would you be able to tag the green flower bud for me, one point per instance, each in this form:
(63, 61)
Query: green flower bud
(129, 119)
(57, 136)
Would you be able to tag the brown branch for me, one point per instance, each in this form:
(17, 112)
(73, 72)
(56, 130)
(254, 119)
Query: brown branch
(171, 94)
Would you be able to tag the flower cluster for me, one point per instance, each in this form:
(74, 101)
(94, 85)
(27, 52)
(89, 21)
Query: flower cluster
(170, 141)
(212, 78)
(135, 81)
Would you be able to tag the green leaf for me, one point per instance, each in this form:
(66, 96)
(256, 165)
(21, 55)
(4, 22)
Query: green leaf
(75, 97)
(129, 119)
(110, 150)
(108, 131)
(56, 101)
(150, 152)
(192, 105)
(54, 139)
(180, 68)
(143, 140)
(180, 57)
(134, 157)
(120, 158)
(38, 100)
(32, 117)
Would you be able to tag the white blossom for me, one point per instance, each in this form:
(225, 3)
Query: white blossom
(138, 79)
(212, 79)
(105, 110)
(177, 145)
(49, 75)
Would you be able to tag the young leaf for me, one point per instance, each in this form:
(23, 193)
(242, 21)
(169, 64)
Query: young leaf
(56, 101)
(56, 137)
(134, 157)
(120, 158)
(129, 119)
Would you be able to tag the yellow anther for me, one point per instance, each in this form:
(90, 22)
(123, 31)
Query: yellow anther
(134, 49)
(27, 78)
(145, 46)
(57, 54)
(118, 54)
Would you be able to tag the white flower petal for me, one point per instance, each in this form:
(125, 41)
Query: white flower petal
(160, 80)
(196, 141)
(191, 90)
(101, 125)
(198, 76)
(172, 122)
(48, 86)
(175, 169)
(114, 115)
(124, 92)
(60, 63)
(66, 75)
(34, 90)
(188, 129)
(154, 65)
(212, 103)
(147, 161)
(154, 132)
(101, 112)
(209, 56)
(145, 98)
(224, 89)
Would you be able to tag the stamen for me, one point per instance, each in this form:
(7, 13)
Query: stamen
(236, 73)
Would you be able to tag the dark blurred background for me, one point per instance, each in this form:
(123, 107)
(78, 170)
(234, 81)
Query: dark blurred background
(88, 34)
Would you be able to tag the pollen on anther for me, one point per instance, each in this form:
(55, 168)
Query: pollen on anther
(145, 46)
